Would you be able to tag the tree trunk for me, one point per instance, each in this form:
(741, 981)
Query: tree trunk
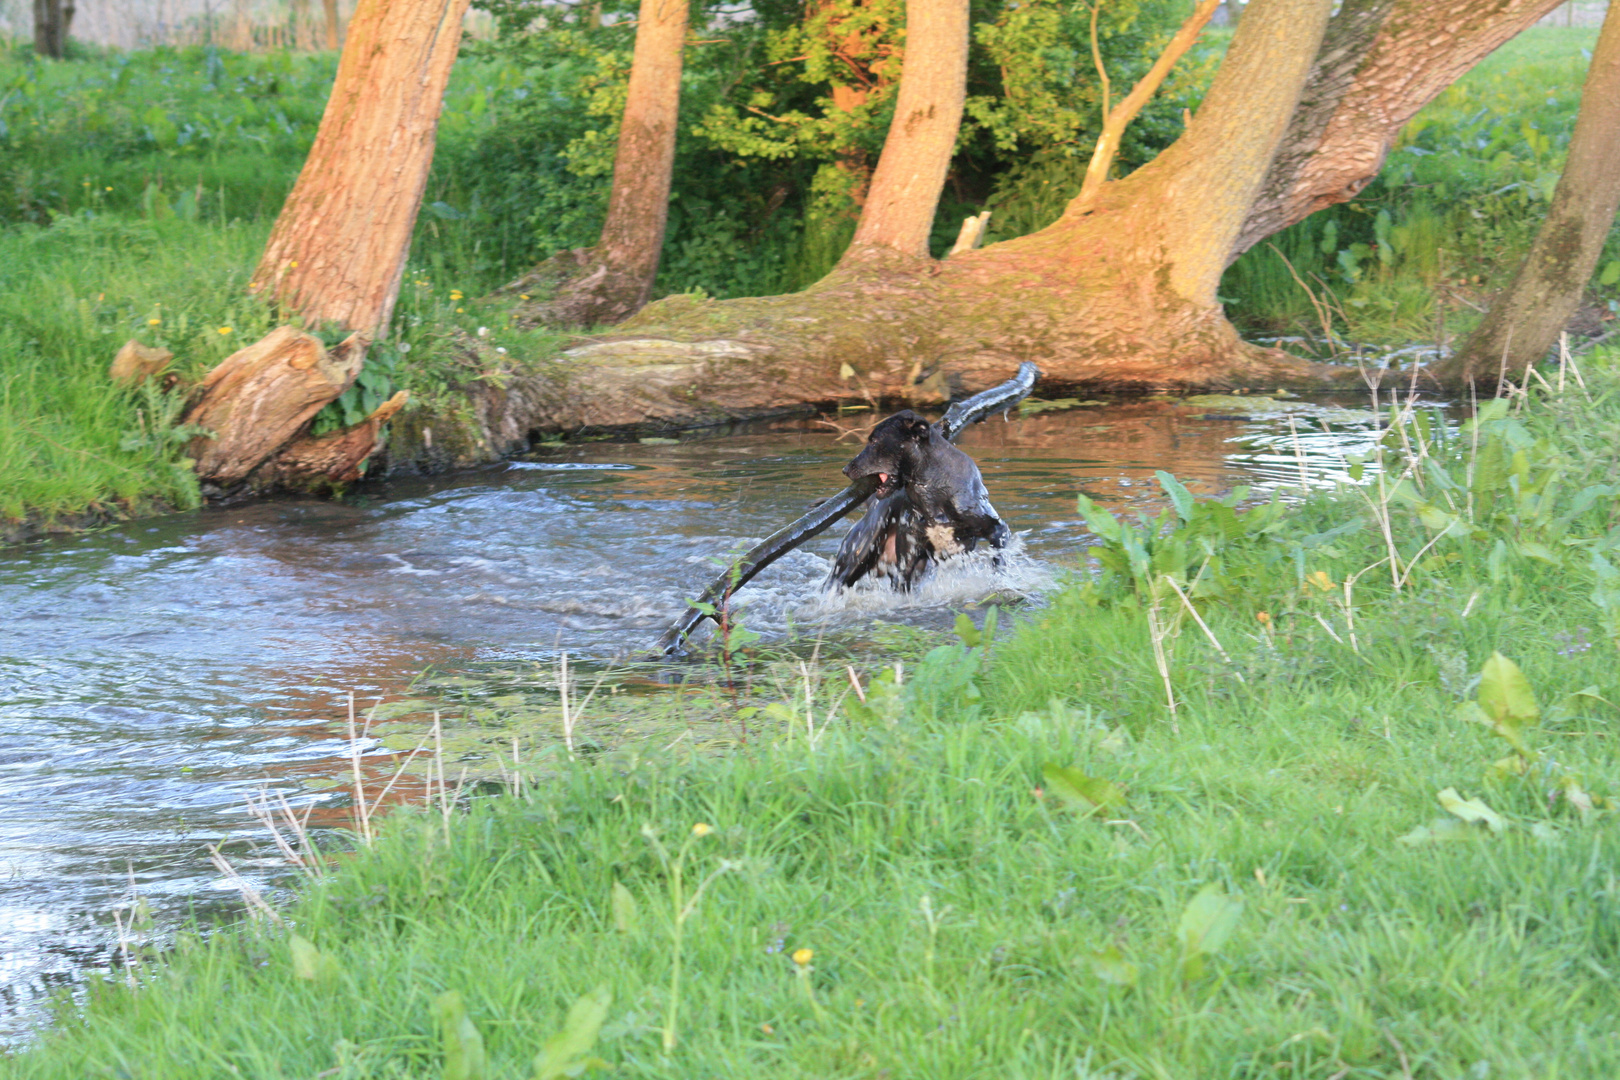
(338, 250)
(904, 194)
(52, 21)
(1379, 63)
(612, 281)
(334, 33)
(1526, 317)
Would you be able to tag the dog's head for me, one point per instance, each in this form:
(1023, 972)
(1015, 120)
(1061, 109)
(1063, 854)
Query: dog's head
(891, 451)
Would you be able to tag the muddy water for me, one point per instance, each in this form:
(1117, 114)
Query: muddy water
(152, 676)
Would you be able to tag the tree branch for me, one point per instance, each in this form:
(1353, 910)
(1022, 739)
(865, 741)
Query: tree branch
(1102, 158)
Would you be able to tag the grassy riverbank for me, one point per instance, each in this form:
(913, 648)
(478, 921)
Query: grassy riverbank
(1357, 846)
(141, 188)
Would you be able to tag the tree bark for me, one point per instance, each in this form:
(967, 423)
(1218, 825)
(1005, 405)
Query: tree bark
(612, 281)
(262, 396)
(1526, 317)
(1379, 63)
(334, 33)
(331, 460)
(904, 193)
(52, 21)
(338, 250)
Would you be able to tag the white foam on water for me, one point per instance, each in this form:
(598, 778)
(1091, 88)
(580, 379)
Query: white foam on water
(795, 590)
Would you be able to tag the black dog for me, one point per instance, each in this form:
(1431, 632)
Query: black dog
(930, 504)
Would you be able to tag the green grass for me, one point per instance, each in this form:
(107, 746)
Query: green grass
(141, 188)
(967, 917)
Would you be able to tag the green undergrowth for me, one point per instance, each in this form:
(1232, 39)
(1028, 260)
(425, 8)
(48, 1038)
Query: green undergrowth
(140, 189)
(1324, 788)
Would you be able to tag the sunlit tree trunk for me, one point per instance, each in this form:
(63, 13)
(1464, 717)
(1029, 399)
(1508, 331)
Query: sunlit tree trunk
(338, 250)
(334, 33)
(335, 257)
(904, 193)
(1526, 318)
(613, 280)
(638, 207)
(52, 21)
(1379, 63)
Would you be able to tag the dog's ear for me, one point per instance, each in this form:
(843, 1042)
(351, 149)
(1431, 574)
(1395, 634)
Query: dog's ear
(917, 428)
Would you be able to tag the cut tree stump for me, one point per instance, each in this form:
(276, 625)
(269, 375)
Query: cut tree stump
(259, 398)
(331, 459)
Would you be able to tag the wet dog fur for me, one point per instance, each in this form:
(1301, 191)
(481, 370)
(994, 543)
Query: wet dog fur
(930, 504)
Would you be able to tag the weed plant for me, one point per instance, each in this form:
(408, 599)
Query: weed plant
(1318, 789)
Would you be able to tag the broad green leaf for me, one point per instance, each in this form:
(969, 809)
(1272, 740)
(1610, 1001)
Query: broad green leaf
(1505, 697)
(1090, 793)
(464, 1057)
(1110, 965)
(966, 630)
(1472, 811)
(1099, 521)
(306, 958)
(311, 963)
(1442, 831)
(567, 1051)
(1180, 497)
(626, 912)
(1207, 921)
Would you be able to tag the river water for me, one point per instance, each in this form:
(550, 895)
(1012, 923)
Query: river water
(154, 675)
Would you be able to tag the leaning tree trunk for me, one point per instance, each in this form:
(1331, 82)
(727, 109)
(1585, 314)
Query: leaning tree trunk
(333, 30)
(612, 281)
(52, 21)
(904, 193)
(1526, 317)
(1379, 63)
(335, 256)
(338, 250)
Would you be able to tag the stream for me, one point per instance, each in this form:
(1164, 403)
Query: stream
(155, 674)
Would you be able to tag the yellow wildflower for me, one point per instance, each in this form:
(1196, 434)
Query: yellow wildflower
(224, 329)
(153, 321)
(802, 957)
(701, 829)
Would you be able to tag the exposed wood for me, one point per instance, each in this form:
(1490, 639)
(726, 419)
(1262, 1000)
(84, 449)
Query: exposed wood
(135, 363)
(904, 193)
(261, 396)
(971, 234)
(334, 459)
(338, 249)
(1121, 115)
(1380, 62)
(1526, 317)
